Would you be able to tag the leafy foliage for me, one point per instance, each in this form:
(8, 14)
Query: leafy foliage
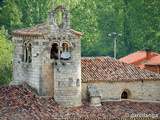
(137, 21)
(11, 16)
(6, 58)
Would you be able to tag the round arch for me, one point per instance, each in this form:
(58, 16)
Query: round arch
(29, 52)
(54, 49)
(24, 42)
(66, 41)
(24, 51)
(53, 42)
(126, 94)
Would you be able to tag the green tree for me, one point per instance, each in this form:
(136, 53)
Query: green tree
(6, 58)
(10, 15)
(34, 11)
(138, 21)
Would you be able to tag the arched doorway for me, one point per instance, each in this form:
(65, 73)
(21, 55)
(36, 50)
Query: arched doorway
(124, 95)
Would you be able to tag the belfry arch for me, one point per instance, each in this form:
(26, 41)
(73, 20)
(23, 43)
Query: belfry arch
(54, 50)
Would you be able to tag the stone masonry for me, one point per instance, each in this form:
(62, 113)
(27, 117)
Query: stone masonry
(137, 91)
(47, 57)
(38, 59)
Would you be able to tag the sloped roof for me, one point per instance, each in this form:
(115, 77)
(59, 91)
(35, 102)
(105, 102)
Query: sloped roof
(154, 60)
(17, 102)
(138, 58)
(110, 69)
(38, 30)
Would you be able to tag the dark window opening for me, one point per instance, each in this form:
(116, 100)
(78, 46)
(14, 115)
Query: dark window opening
(124, 95)
(30, 53)
(25, 53)
(77, 83)
(54, 51)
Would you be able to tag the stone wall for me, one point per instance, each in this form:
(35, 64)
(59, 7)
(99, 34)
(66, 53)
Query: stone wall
(140, 91)
(17, 73)
(45, 75)
(68, 83)
(26, 72)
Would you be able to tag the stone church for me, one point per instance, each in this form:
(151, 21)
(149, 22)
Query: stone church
(47, 57)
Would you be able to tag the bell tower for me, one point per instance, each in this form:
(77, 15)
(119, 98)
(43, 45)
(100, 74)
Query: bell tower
(59, 18)
(47, 57)
(65, 54)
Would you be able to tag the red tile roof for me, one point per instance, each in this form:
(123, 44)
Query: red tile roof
(154, 60)
(38, 30)
(19, 103)
(138, 58)
(110, 69)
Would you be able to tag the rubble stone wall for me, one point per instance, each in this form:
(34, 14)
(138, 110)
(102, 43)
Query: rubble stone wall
(45, 75)
(138, 90)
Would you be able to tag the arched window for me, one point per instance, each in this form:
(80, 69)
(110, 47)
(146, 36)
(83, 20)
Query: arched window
(54, 51)
(65, 47)
(65, 51)
(124, 95)
(25, 52)
(29, 53)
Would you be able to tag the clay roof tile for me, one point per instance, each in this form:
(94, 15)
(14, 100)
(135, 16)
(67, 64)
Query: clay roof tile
(110, 69)
(39, 30)
(138, 58)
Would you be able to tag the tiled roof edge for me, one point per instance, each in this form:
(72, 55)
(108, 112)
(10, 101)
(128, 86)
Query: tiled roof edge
(149, 78)
(76, 32)
(122, 80)
(16, 32)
